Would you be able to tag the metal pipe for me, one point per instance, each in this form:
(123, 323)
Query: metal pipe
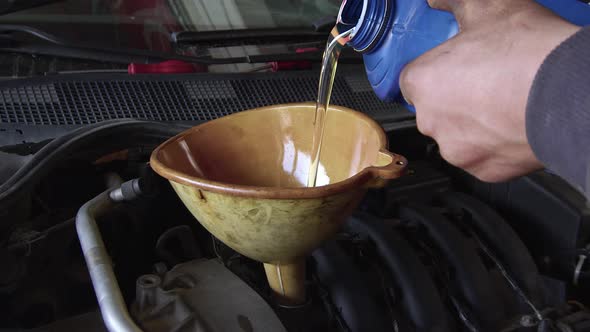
(110, 300)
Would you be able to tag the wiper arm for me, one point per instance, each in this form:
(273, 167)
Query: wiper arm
(29, 30)
(79, 53)
(58, 47)
(18, 5)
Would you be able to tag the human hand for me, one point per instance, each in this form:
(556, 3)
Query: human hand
(470, 93)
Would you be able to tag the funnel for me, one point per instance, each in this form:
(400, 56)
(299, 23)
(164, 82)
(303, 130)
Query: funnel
(243, 177)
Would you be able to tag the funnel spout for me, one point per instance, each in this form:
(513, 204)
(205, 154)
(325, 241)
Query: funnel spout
(287, 281)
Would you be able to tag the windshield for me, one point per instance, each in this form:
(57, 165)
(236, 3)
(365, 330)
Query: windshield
(147, 24)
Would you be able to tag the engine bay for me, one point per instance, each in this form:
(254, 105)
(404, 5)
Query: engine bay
(435, 250)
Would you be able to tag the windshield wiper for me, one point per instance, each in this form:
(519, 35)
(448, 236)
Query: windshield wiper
(55, 46)
(248, 35)
(319, 30)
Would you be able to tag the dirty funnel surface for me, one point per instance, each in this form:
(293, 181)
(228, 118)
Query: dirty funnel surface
(243, 177)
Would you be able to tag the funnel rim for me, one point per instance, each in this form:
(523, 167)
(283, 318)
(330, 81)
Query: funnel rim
(360, 180)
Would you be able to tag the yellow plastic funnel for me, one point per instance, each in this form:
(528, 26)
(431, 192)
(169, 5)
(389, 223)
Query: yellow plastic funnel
(243, 177)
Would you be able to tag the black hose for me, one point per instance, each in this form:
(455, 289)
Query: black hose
(470, 276)
(110, 134)
(90, 142)
(420, 296)
(341, 277)
(503, 241)
(10, 164)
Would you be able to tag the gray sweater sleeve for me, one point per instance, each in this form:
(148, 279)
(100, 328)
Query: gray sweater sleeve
(558, 111)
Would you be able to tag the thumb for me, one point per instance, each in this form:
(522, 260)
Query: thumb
(409, 82)
(448, 5)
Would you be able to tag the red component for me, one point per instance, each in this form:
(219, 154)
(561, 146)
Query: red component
(166, 67)
(293, 65)
(306, 49)
(290, 65)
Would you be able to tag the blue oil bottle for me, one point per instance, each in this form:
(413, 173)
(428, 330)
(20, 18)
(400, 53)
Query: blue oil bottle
(391, 33)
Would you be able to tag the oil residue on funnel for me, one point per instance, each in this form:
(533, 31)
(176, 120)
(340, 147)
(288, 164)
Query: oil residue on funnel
(327, 73)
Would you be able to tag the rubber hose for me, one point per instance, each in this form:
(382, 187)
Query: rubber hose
(108, 135)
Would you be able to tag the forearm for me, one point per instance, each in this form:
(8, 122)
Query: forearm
(558, 111)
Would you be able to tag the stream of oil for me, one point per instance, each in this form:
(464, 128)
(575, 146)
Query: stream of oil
(327, 73)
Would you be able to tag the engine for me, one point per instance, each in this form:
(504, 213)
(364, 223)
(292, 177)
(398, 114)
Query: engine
(436, 250)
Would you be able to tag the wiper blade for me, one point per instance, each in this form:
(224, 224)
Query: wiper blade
(247, 35)
(29, 30)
